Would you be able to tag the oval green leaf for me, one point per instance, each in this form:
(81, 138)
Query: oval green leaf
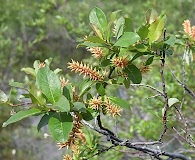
(156, 28)
(29, 70)
(16, 84)
(21, 115)
(98, 18)
(149, 60)
(79, 107)
(43, 122)
(49, 83)
(120, 102)
(127, 39)
(67, 92)
(100, 89)
(171, 41)
(133, 73)
(85, 86)
(60, 126)
(62, 104)
(3, 97)
(89, 115)
(172, 101)
(95, 39)
(119, 27)
(36, 95)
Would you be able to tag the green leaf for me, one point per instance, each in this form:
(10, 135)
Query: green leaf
(119, 102)
(98, 18)
(151, 16)
(79, 107)
(143, 32)
(96, 31)
(21, 115)
(149, 60)
(126, 83)
(36, 95)
(49, 83)
(157, 45)
(139, 54)
(105, 63)
(29, 70)
(141, 48)
(156, 28)
(60, 125)
(123, 51)
(48, 61)
(36, 65)
(127, 39)
(113, 15)
(120, 80)
(89, 115)
(43, 122)
(119, 27)
(3, 97)
(95, 39)
(128, 25)
(169, 52)
(89, 96)
(171, 41)
(16, 84)
(62, 104)
(133, 73)
(172, 101)
(100, 89)
(57, 71)
(85, 86)
(67, 92)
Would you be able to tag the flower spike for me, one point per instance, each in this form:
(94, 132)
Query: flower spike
(85, 69)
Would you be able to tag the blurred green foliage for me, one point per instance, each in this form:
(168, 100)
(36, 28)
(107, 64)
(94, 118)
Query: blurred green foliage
(31, 30)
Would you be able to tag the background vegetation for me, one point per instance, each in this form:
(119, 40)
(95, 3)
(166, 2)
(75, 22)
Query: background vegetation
(31, 30)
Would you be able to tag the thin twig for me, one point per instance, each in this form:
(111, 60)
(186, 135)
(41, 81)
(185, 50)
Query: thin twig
(183, 85)
(187, 136)
(148, 86)
(146, 143)
(20, 104)
(164, 92)
(154, 96)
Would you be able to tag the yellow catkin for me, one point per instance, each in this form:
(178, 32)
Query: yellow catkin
(75, 135)
(85, 69)
(193, 32)
(95, 103)
(64, 82)
(187, 27)
(120, 62)
(144, 69)
(111, 108)
(96, 51)
(67, 157)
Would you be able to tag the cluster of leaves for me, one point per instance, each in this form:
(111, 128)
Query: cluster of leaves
(122, 56)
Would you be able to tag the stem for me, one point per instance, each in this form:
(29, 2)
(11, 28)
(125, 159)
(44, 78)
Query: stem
(164, 119)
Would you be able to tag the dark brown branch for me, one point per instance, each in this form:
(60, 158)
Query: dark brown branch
(155, 153)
